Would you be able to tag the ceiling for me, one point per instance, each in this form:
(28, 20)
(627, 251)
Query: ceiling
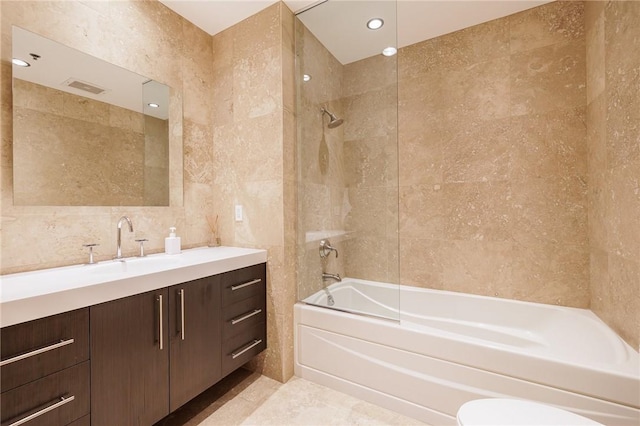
(62, 68)
(333, 23)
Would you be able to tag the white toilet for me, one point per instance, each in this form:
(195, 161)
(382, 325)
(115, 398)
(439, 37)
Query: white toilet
(515, 412)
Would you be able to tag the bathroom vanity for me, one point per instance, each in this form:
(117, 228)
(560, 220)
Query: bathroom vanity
(146, 342)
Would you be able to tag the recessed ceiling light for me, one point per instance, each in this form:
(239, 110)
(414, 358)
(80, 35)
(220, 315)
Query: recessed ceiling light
(389, 51)
(20, 62)
(152, 105)
(306, 77)
(375, 23)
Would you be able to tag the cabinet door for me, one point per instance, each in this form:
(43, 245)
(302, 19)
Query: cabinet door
(195, 338)
(130, 360)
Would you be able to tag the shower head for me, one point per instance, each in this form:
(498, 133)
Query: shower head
(333, 120)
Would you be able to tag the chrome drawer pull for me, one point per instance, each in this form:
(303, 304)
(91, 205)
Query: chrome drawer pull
(239, 286)
(160, 329)
(181, 293)
(246, 316)
(35, 352)
(256, 342)
(61, 401)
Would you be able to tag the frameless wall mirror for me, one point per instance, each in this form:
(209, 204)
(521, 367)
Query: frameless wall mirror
(89, 133)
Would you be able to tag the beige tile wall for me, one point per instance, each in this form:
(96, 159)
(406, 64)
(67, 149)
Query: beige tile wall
(492, 156)
(370, 103)
(149, 39)
(613, 121)
(321, 159)
(236, 94)
(254, 161)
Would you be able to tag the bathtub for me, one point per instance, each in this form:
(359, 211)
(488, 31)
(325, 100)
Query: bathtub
(442, 349)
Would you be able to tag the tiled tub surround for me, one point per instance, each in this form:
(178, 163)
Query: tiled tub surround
(492, 159)
(30, 295)
(517, 162)
(449, 348)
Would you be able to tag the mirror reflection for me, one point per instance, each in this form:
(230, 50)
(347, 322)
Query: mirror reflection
(86, 132)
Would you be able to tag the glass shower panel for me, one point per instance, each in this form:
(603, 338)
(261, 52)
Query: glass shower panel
(347, 102)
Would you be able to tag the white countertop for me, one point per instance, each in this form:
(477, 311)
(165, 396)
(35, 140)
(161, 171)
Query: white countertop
(31, 295)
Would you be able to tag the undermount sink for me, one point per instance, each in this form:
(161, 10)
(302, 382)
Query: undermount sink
(135, 265)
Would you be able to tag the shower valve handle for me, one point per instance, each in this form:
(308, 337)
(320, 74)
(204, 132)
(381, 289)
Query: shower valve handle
(326, 249)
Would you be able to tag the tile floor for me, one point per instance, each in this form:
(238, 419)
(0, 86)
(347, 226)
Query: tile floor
(246, 398)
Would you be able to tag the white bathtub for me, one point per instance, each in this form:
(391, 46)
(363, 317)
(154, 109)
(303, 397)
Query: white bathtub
(442, 349)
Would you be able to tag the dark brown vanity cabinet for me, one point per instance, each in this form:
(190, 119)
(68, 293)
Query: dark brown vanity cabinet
(153, 352)
(130, 360)
(44, 371)
(194, 341)
(244, 314)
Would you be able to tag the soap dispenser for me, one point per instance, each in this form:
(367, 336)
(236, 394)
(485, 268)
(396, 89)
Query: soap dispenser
(172, 243)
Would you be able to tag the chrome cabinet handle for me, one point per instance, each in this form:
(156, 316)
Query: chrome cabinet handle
(256, 342)
(60, 402)
(239, 286)
(181, 294)
(35, 352)
(160, 329)
(236, 320)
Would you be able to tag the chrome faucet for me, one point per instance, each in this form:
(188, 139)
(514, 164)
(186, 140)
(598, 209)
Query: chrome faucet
(119, 240)
(326, 276)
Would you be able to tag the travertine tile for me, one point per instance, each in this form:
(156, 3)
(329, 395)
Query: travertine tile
(475, 44)
(423, 213)
(371, 114)
(622, 116)
(371, 162)
(549, 144)
(596, 135)
(479, 151)
(549, 209)
(478, 211)
(548, 78)
(375, 72)
(198, 152)
(548, 272)
(623, 210)
(257, 84)
(479, 90)
(258, 33)
(620, 32)
(425, 270)
(598, 196)
(595, 49)
(547, 25)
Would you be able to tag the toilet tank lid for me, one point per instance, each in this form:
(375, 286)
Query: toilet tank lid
(515, 412)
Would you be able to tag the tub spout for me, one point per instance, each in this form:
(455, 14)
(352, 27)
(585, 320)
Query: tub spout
(326, 276)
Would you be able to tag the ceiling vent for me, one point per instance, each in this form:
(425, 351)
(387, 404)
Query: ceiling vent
(83, 85)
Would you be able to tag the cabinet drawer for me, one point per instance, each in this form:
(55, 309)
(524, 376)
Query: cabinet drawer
(243, 315)
(243, 283)
(47, 393)
(42, 347)
(241, 348)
